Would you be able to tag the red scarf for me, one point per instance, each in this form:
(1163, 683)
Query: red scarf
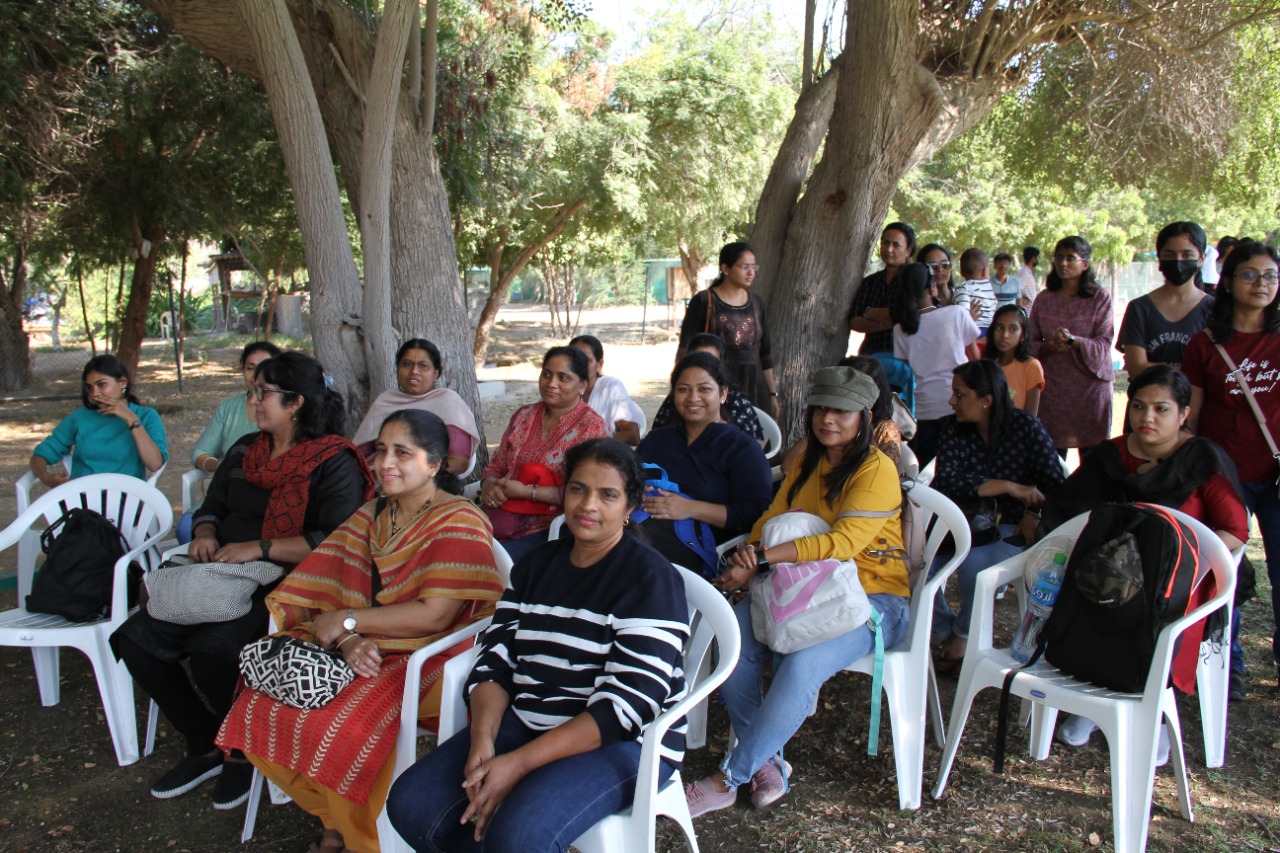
(288, 477)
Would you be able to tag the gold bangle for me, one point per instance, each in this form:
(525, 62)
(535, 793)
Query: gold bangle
(338, 644)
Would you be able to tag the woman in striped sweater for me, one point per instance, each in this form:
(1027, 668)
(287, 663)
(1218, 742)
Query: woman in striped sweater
(585, 651)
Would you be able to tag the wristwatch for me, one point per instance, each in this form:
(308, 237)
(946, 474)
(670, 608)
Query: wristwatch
(349, 624)
(762, 562)
(265, 545)
(136, 423)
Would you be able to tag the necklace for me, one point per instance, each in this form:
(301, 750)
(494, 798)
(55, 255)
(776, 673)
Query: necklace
(395, 506)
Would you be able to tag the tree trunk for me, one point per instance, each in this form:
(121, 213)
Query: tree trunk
(335, 284)
(692, 262)
(883, 121)
(382, 97)
(133, 328)
(84, 309)
(15, 348)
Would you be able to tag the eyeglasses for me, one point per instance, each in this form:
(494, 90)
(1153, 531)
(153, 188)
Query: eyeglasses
(259, 392)
(748, 267)
(1252, 276)
(946, 265)
(1068, 259)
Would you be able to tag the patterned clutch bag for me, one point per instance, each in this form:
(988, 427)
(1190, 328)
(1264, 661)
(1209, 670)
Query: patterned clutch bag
(295, 672)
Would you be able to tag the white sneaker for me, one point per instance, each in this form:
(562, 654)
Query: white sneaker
(1076, 730)
(1162, 748)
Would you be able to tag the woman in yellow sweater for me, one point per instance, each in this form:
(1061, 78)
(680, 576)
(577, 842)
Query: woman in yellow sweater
(854, 489)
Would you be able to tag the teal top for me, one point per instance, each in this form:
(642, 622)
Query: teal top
(228, 424)
(102, 443)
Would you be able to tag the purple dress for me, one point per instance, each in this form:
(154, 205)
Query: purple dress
(1075, 405)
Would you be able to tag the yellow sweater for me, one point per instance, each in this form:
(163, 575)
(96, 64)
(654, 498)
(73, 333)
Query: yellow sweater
(874, 490)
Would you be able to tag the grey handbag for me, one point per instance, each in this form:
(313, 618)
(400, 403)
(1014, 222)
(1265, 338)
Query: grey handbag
(185, 592)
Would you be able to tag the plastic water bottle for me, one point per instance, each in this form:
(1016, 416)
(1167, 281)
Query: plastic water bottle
(1043, 595)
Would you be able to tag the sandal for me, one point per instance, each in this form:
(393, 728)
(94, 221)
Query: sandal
(329, 842)
(945, 660)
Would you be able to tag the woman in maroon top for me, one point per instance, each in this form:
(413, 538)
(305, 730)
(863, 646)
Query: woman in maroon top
(1246, 322)
(1158, 462)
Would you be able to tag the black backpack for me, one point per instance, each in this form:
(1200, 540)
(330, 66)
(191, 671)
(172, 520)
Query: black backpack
(1131, 573)
(81, 549)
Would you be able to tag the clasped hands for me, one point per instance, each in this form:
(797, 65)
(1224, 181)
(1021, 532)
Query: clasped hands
(488, 780)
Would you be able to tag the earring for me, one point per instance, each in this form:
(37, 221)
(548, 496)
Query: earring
(626, 521)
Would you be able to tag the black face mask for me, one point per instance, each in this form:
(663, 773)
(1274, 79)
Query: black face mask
(1178, 272)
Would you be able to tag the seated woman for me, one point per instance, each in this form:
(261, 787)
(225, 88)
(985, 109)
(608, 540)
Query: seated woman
(885, 434)
(275, 496)
(232, 419)
(418, 370)
(521, 489)
(585, 651)
(996, 462)
(111, 433)
(737, 409)
(1159, 462)
(854, 489)
(431, 554)
(606, 395)
(721, 472)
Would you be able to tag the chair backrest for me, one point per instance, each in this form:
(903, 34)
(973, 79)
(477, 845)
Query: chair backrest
(190, 481)
(503, 561)
(138, 509)
(924, 539)
(909, 466)
(772, 432)
(557, 524)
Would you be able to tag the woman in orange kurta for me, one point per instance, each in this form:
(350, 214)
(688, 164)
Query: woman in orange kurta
(403, 571)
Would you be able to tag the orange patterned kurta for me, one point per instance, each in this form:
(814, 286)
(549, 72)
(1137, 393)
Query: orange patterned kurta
(344, 745)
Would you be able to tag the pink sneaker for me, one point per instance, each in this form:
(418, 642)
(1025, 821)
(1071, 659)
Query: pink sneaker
(703, 797)
(769, 784)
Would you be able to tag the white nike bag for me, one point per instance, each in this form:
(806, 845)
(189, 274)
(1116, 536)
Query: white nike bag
(798, 605)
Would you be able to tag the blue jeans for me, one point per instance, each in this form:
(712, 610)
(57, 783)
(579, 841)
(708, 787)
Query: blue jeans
(544, 812)
(1261, 501)
(182, 530)
(764, 723)
(945, 620)
(517, 548)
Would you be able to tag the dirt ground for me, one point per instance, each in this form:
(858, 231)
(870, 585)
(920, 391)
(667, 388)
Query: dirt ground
(61, 790)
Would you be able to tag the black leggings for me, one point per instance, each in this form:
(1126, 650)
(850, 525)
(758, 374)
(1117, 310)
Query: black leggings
(174, 692)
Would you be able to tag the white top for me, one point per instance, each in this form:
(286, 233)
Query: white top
(977, 290)
(611, 401)
(933, 352)
(1209, 269)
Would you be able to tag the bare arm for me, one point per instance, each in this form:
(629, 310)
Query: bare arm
(408, 619)
(1032, 404)
(1197, 402)
(40, 467)
(1135, 360)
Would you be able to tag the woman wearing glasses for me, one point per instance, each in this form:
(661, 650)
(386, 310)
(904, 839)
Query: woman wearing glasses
(1246, 324)
(729, 309)
(277, 494)
(1071, 331)
(937, 258)
(418, 370)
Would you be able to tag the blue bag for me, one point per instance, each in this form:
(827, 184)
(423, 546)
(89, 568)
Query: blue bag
(694, 535)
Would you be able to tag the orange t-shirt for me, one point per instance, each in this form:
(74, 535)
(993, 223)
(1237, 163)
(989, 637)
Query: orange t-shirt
(1022, 376)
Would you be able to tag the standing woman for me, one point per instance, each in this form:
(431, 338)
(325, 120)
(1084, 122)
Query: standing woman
(934, 341)
(111, 433)
(418, 370)
(937, 258)
(869, 312)
(1246, 323)
(606, 395)
(1157, 326)
(1071, 331)
(729, 309)
(522, 487)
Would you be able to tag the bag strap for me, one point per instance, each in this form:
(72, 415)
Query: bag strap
(1002, 718)
(1248, 396)
(706, 323)
(877, 553)
(877, 681)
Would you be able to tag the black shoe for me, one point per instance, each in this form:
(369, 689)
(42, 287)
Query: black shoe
(232, 788)
(190, 773)
(1238, 687)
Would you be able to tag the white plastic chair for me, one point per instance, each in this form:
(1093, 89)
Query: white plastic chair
(641, 419)
(471, 466)
(471, 491)
(634, 830)
(772, 432)
(190, 481)
(1213, 683)
(1130, 721)
(143, 516)
(910, 686)
(406, 739)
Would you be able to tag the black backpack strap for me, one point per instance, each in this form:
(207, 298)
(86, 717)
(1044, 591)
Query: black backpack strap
(1002, 718)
